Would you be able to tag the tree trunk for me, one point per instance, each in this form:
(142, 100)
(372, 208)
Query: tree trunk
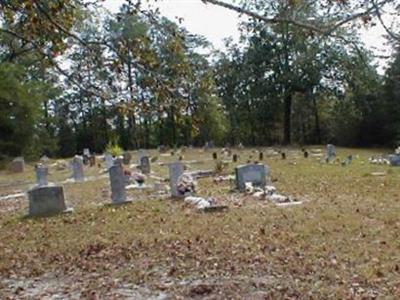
(317, 124)
(287, 122)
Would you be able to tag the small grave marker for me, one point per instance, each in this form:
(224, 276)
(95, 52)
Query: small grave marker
(145, 165)
(17, 165)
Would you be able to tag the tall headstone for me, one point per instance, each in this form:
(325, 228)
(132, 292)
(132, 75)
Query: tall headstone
(77, 168)
(175, 171)
(118, 183)
(145, 165)
(17, 165)
(253, 173)
(46, 200)
(109, 160)
(261, 156)
(214, 155)
(86, 152)
(41, 174)
(141, 154)
(330, 152)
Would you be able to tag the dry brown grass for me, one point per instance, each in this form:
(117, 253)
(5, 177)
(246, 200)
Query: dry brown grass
(342, 243)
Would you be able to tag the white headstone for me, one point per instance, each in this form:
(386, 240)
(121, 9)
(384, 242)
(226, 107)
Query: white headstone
(330, 151)
(77, 168)
(41, 175)
(86, 152)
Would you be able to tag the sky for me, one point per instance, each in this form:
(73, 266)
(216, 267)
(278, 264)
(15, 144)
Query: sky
(218, 23)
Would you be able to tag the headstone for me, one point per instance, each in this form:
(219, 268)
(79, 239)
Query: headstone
(235, 157)
(255, 174)
(162, 149)
(126, 158)
(44, 158)
(141, 154)
(331, 152)
(41, 175)
(145, 165)
(305, 153)
(175, 171)
(394, 160)
(118, 183)
(109, 161)
(86, 152)
(214, 155)
(77, 168)
(46, 200)
(348, 160)
(17, 165)
(283, 155)
(92, 160)
(261, 156)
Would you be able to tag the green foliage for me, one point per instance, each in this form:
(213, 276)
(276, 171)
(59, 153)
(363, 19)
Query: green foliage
(20, 100)
(113, 148)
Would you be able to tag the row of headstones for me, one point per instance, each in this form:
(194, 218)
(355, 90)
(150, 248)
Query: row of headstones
(45, 198)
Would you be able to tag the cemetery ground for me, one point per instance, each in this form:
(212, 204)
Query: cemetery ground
(341, 243)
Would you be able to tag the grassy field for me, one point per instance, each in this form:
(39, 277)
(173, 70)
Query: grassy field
(342, 243)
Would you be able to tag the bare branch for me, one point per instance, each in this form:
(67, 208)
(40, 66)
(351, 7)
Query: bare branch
(388, 31)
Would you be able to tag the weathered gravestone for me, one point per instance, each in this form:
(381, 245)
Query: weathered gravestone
(41, 174)
(126, 158)
(140, 155)
(330, 152)
(214, 155)
(255, 174)
(175, 171)
(77, 169)
(86, 156)
(17, 165)
(92, 160)
(145, 165)
(118, 183)
(109, 160)
(163, 149)
(394, 160)
(235, 157)
(261, 156)
(47, 200)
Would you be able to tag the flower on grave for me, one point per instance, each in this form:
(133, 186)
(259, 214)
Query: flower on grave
(139, 177)
(186, 184)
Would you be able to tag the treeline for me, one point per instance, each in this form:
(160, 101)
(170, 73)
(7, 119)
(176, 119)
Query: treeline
(81, 77)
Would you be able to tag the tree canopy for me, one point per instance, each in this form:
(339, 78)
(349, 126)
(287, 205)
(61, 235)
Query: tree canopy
(74, 76)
